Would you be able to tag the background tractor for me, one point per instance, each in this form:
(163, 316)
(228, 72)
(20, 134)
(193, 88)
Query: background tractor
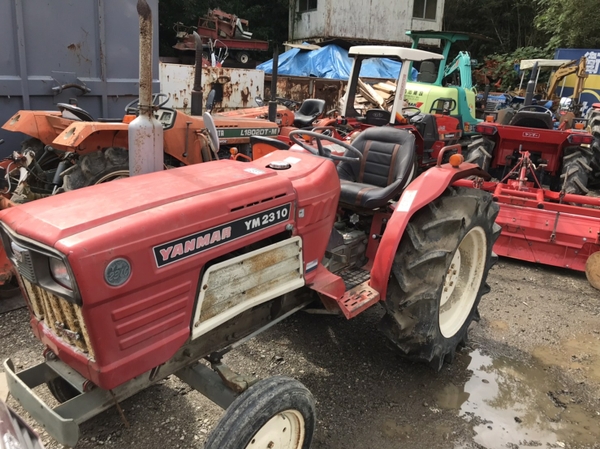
(119, 310)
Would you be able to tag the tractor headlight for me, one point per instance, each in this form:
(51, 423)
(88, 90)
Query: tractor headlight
(60, 273)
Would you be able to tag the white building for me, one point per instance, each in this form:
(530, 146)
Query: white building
(362, 21)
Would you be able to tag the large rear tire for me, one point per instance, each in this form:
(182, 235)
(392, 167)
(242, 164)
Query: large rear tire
(576, 170)
(479, 152)
(98, 167)
(439, 275)
(276, 412)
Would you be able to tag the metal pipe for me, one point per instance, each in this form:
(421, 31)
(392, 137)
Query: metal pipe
(145, 132)
(273, 101)
(197, 94)
(145, 58)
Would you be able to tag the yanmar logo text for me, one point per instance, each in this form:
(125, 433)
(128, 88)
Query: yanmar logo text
(189, 245)
(531, 135)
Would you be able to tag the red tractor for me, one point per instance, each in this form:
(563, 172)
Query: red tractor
(541, 176)
(188, 263)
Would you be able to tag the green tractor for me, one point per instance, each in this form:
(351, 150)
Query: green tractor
(442, 87)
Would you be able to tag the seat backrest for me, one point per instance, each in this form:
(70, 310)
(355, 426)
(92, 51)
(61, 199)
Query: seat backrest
(427, 72)
(312, 106)
(388, 153)
(531, 119)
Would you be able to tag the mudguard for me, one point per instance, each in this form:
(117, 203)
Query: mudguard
(81, 135)
(422, 191)
(42, 125)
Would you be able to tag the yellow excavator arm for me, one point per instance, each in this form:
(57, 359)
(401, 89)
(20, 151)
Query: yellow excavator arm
(572, 67)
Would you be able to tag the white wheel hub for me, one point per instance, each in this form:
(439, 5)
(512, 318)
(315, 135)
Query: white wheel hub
(462, 281)
(286, 430)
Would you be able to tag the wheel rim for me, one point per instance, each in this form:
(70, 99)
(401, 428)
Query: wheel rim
(462, 281)
(244, 59)
(286, 430)
(113, 176)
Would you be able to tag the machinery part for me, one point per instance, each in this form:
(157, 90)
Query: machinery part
(243, 57)
(592, 270)
(277, 412)
(212, 131)
(9, 288)
(536, 108)
(321, 150)
(406, 112)
(479, 152)
(450, 239)
(75, 111)
(132, 107)
(94, 168)
(61, 389)
(576, 170)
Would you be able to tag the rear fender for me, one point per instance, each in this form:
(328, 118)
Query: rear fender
(33, 124)
(92, 136)
(422, 191)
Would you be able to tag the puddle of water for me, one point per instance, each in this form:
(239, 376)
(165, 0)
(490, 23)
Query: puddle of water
(515, 405)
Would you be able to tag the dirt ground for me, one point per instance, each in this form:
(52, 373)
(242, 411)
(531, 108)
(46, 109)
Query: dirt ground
(529, 377)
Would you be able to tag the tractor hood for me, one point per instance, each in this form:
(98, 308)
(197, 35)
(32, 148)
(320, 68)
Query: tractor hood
(166, 202)
(224, 186)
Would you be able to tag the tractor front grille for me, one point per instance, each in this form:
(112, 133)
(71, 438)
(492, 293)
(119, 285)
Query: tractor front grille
(24, 264)
(61, 316)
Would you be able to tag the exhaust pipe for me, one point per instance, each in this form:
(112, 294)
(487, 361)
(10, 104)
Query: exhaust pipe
(145, 132)
(273, 102)
(531, 85)
(197, 95)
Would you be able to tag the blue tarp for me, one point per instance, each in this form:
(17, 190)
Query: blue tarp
(332, 62)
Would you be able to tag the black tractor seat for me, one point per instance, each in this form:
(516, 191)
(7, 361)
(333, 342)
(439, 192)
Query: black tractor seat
(309, 110)
(75, 111)
(386, 168)
(532, 119)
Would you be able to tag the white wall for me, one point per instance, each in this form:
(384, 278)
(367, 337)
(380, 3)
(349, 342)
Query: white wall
(375, 20)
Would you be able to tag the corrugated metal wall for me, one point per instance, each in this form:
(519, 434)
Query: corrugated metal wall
(49, 44)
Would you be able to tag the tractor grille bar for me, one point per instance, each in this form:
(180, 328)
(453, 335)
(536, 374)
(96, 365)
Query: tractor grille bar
(62, 317)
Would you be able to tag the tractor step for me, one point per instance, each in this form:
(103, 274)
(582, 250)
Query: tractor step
(354, 276)
(358, 299)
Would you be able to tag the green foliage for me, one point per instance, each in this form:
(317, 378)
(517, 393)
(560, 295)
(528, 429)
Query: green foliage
(501, 67)
(570, 23)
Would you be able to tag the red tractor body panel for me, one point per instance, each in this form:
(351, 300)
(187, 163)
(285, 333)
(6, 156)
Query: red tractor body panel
(546, 144)
(142, 323)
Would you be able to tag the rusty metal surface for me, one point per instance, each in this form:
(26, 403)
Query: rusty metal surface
(240, 87)
(346, 20)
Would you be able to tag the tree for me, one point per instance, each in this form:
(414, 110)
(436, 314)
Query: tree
(569, 23)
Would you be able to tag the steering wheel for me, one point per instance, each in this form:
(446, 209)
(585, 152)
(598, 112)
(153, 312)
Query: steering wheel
(132, 107)
(81, 114)
(321, 150)
(536, 108)
(408, 115)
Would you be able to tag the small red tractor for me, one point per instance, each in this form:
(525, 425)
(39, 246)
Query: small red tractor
(230, 248)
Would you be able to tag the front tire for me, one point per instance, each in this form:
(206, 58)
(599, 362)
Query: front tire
(61, 389)
(439, 275)
(277, 412)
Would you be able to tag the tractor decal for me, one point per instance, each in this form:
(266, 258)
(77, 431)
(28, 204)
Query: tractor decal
(246, 132)
(190, 245)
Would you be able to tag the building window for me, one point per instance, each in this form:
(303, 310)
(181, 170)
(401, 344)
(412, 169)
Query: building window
(307, 5)
(425, 9)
